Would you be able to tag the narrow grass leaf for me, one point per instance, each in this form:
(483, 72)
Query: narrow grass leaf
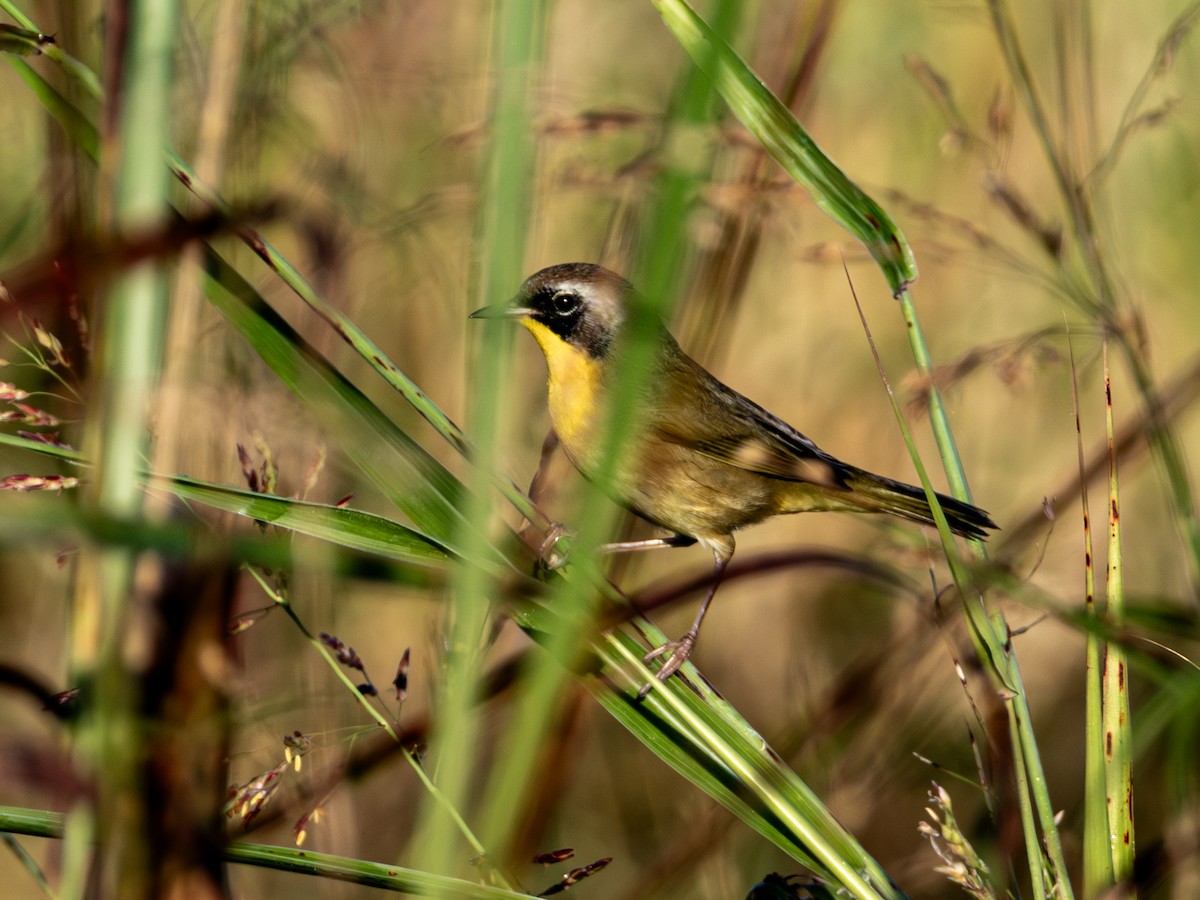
(68, 116)
(38, 823)
(500, 229)
(350, 528)
(356, 337)
(411, 478)
(721, 753)
(1118, 728)
(1097, 856)
(785, 139)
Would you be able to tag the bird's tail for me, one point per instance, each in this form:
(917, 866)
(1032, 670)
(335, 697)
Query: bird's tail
(874, 493)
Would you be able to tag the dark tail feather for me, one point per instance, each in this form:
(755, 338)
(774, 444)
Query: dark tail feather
(875, 493)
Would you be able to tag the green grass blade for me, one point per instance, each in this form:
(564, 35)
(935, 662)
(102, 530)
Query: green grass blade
(39, 823)
(939, 418)
(990, 638)
(1118, 727)
(19, 41)
(1029, 829)
(85, 135)
(75, 123)
(501, 225)
(129, 338)
(32, 519)
(785, 139)
(412, 479)
(84, 76)
(364, 872)
(1097, 858)
(721, 753)
(356, 337)
(349, 528)
(63, 454)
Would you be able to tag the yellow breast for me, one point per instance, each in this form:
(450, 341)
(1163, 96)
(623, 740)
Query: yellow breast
(575, 386)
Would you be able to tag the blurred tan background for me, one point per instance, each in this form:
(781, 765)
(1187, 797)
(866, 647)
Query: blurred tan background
(366, 120)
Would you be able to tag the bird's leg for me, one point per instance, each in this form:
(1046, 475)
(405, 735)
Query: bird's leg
(552, 558)
(681, 649)
(544, 540)
(548, 553)
(675, 540)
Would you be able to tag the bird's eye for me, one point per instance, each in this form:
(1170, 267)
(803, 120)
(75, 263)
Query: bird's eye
(564, 303)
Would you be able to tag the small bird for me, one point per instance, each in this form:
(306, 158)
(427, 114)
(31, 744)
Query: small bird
(707, 461)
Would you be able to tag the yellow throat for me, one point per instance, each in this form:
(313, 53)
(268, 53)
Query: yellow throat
(575, 383)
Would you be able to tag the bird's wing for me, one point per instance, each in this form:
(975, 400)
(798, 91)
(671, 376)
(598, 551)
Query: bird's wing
(738, 432)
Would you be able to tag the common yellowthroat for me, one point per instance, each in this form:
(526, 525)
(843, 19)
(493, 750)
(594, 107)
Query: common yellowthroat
(708, 461)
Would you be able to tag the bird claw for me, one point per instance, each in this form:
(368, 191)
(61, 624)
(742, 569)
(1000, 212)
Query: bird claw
(550, 555)
(679, 651)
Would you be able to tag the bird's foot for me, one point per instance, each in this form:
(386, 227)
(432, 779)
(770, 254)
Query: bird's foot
(555, 547)
(679, 652)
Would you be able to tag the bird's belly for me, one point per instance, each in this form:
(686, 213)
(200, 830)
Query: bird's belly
(669, 484)
(695, 496)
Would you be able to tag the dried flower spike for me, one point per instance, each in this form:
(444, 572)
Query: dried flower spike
(295, 745)
(575, 876)
(342, 651)
(38, 482)
(248, 471)
(400, 682)
(10, 391)
(554, 856)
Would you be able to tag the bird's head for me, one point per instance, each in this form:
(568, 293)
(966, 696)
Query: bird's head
(580, 304)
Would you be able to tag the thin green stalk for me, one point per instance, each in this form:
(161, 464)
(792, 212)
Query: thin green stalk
(939, 419)
(658, 248)
(1038, 786)
(358, 340)
(785, 139)
(1097, 857)
(1076, 197)
(440, 800)
(26, 860)
(85, 134)
(750, 765)
(416, 882)
(338, 670)
(1097, 854)
(1029, 830)
(774, 126)
(448, 809)
(989, 635)
(1118, 728)
(127, 363)
(501, 228)
(990, 638)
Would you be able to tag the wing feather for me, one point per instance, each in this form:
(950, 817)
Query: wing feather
(721, 424)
